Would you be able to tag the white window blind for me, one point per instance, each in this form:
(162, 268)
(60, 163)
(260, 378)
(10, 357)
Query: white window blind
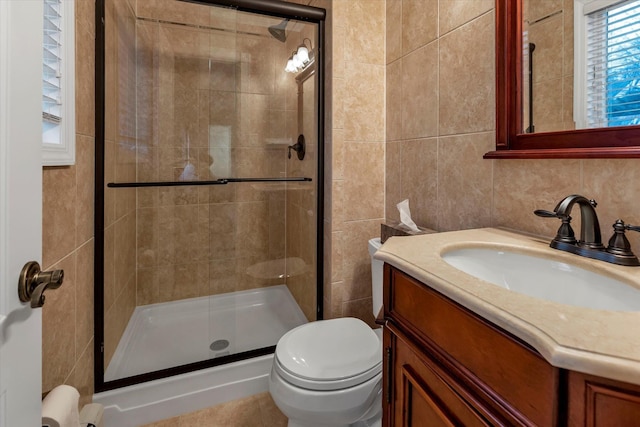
(52, 62)
(58, 83)
(613, 65)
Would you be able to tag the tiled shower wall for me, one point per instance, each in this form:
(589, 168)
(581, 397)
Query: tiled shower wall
(217, 103)
(196, 241)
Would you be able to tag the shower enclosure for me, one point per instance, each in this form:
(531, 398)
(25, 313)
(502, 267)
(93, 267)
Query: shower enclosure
(208, 182)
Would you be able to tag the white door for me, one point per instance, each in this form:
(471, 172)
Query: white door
(20, 209)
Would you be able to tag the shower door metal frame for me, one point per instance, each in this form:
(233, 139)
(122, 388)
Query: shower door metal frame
(274, 8)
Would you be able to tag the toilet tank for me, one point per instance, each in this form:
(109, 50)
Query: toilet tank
(376, 276)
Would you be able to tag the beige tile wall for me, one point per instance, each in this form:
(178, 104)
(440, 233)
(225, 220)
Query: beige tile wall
(67, 240)
(440, 111)
(355, 151)
(441, 170)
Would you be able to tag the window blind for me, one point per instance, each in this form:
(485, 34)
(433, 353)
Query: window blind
(52, 62)
(613, 65)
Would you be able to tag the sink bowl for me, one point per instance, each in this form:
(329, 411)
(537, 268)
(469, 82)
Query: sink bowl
(546, 279)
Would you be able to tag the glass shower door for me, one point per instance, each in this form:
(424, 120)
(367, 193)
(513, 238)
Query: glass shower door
(210, 226)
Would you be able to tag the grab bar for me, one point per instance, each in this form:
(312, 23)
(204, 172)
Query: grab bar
(220, 181)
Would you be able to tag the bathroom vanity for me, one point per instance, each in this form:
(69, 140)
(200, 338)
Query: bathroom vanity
(461, 351)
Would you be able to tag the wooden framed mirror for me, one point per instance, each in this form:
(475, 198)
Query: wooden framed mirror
(511, 140)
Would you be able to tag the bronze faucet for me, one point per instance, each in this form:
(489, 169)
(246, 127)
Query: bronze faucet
(589, 226)
(590, 244)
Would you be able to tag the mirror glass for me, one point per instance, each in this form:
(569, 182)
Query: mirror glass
(580, 64)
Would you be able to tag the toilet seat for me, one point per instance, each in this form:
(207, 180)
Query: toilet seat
(329, 354)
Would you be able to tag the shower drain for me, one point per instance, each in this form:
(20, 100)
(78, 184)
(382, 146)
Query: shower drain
(218, 345)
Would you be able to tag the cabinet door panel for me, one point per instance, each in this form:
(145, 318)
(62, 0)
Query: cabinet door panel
(421, 408)
(606, 405)
(423, 398)
(598, 402)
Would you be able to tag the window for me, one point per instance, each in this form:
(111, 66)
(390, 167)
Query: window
(608, 69)
(58, 83)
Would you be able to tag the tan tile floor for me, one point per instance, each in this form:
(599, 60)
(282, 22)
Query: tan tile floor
(253, 411)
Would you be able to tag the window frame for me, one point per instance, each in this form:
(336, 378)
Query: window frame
(582, 10)
(63, 152)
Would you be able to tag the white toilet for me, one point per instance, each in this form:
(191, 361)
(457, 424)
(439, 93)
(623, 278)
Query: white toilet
(329, 372)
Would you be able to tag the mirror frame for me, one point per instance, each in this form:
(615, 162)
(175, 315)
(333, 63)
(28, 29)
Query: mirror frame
(614, 142)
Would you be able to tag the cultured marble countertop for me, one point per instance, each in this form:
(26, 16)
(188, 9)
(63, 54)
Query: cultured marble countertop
(598, 342)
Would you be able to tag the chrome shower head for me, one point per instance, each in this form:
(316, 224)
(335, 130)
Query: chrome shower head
(278, 32)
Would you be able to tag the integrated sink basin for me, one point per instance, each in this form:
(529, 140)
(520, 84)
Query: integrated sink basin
(546, 279)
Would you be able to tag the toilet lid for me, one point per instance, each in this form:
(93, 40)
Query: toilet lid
(330, 351)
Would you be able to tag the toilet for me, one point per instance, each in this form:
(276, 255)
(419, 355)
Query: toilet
(328, 373)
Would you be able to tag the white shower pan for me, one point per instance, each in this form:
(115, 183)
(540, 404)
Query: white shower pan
(160, 336)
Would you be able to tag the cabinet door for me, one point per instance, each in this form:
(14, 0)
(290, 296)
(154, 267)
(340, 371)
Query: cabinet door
(516, 381)
(421, 396)
(599, 402)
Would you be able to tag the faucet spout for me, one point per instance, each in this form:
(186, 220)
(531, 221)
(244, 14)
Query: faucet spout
(590, 236)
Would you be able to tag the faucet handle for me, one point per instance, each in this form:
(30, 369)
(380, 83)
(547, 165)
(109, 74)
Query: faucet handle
(630, 227)
(565, 233)
(546, 214)
(618, 243)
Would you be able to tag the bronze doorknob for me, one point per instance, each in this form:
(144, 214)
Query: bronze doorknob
(33, 282)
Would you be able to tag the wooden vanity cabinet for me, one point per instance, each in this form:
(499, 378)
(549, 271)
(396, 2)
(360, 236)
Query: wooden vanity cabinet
(446, 366)
(446, 357)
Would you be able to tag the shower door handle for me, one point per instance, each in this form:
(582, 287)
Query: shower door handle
(33, 282)
(299, 147)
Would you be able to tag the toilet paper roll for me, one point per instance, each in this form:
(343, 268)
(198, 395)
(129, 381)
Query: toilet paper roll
(60, 407)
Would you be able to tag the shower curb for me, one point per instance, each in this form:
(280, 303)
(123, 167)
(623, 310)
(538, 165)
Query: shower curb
(169, 397)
